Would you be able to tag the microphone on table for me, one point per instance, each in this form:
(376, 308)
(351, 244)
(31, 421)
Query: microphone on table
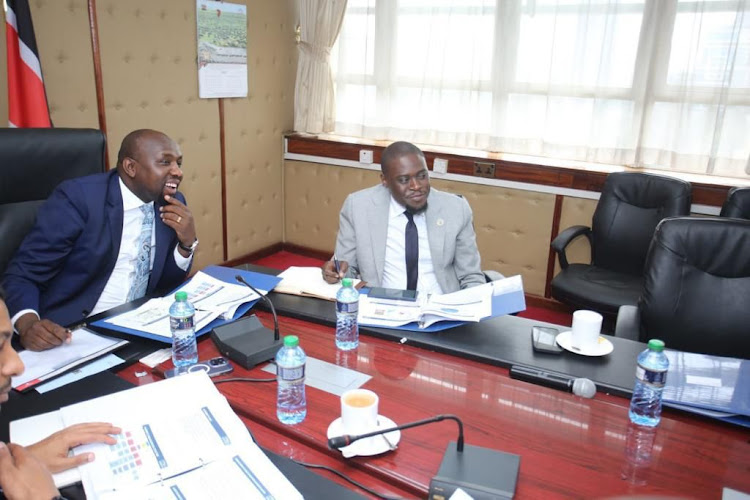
(246, 341)
(579, 386)
(480, 472)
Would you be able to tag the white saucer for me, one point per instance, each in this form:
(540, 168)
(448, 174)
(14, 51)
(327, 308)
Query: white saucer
(602, 348)
(367, 447)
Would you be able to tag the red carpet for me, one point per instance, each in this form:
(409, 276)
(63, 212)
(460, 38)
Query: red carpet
(282, 260)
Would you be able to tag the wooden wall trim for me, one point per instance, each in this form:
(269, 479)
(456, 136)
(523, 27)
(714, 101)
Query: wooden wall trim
(223, 156)
(96, 55)
(589, 179)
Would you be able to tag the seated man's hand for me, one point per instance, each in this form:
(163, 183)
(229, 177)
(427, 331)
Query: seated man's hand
(178, 216)
(329, 271)
(23, 476)
(53, 451)
(40, 334)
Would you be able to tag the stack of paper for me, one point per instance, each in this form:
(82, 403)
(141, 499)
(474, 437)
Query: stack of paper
(211, 298)
(308, 281)
(180, 439)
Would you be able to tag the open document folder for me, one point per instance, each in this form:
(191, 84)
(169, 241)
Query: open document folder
(216, 296)
(470, 304)
(180, 439)
(308, 281)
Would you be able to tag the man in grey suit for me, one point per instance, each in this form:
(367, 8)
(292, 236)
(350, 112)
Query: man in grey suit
(402, 234)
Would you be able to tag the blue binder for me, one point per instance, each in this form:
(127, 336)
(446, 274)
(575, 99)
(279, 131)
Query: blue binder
(227, 274)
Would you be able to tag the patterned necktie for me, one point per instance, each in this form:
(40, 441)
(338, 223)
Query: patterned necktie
(411, 252)
(143, 259)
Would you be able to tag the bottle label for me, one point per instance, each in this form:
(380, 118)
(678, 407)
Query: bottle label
(347, 307)
(185, 323)
(650, 377)
(290, 374)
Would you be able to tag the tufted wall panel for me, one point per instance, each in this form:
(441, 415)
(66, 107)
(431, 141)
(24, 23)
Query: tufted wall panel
(513, 227)
(254, 128)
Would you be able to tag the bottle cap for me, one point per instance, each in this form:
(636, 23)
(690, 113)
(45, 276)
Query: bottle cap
(656, 345)
(180, 296)
(346, 282)
(291, 341)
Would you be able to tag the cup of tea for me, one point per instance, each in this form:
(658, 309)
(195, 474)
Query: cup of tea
(359, 411)
(586, 328)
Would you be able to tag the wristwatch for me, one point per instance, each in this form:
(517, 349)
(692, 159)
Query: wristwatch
(191, 248)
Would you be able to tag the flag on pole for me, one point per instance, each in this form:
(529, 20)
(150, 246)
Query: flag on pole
(27, 100)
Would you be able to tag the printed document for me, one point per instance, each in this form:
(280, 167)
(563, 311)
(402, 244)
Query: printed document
(180, 439)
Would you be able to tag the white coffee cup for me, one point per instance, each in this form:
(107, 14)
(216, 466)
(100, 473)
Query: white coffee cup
(359, 411)
(586, 328)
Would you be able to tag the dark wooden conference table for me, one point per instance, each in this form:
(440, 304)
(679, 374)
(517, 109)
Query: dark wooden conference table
(570, 447)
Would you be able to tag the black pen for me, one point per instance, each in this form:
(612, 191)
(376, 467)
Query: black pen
(336, 263)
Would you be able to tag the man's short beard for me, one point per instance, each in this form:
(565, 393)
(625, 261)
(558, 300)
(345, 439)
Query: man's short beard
(417, 211)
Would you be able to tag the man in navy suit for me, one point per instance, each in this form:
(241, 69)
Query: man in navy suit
(83, 254)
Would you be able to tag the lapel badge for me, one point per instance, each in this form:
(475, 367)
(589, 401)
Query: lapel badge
(440, 222)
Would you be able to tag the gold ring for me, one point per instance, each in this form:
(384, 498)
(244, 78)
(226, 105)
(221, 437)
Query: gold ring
(179, 219)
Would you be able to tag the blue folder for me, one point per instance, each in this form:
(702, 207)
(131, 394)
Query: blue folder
(227, 274)
(507, 303)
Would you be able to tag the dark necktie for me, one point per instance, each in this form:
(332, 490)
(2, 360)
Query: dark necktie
(412, 252)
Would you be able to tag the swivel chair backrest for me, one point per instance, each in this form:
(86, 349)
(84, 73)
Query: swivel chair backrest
(630, 207)
(737, 204)
(32, 163)
(696, 293)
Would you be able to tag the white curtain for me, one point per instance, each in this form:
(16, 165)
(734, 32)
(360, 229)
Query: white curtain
(314, 106)
(657, 83)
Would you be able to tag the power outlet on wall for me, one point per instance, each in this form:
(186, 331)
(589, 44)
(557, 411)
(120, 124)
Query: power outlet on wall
(365, 156)
(484, 169)
(440, 166)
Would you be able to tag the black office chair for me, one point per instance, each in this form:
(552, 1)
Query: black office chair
(630, 207)
(737, 204)
(32, 163)
(696, 294)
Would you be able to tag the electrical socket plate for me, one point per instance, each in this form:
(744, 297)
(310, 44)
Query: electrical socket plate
(440, 166)
(365, 156)
(484, 169)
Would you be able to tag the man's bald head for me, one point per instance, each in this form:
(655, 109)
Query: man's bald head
(131, 143)
(395, 151)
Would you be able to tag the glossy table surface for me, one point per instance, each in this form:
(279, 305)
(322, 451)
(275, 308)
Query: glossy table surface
(570, 447)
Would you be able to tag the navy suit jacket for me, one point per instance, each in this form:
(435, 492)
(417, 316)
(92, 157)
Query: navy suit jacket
(63, 264)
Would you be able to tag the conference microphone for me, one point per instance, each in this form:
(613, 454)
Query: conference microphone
(579, 386)
(246, 341)
(340, 441)
(240, 279)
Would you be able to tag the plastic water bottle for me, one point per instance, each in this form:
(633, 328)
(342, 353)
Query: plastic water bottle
(291, 405)
(182, 326)
(650, 377)
(347, 308)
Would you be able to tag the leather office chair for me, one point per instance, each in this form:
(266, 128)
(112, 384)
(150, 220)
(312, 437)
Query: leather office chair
(630, 207)
(737, 204)
(696, 294)
(32, 163)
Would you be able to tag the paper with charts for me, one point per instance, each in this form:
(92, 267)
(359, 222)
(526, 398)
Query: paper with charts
(211, 298)
(180, 440)
(469, 304)
(308, 281)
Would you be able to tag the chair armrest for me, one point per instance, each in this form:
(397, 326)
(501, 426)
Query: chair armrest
(563, 239)
(491, 275)
(628, 322)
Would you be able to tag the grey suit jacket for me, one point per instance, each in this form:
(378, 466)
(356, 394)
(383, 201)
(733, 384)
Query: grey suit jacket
(363, 230)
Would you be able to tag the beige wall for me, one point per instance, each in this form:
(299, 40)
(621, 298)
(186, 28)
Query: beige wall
(148, 56)
(513, 227)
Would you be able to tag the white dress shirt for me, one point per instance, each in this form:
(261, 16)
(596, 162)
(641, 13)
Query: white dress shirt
(394, 268)
(116, 290)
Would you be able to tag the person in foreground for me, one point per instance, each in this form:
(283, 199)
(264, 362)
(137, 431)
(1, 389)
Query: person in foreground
(102, 240)
(403, 234)
(25, 473)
